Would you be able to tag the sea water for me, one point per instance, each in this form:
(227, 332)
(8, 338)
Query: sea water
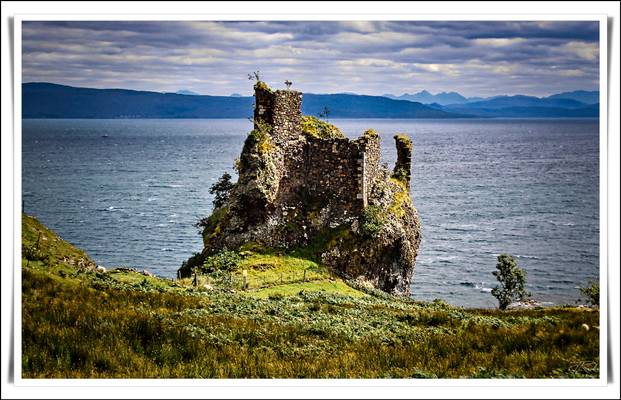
(130, 191)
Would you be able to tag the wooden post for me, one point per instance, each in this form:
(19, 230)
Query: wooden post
(245, 276)
(304, 279)
(281, 278)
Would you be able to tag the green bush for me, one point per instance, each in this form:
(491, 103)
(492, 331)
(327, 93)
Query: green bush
(512, 280)
(225, 260)
(591, 292)
(372, 220)
(34, 253)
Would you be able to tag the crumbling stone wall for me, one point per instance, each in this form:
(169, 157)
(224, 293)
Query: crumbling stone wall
(297, 187)
(403, 166)
(339, 170)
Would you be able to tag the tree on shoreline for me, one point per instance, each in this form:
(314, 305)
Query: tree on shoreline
(512, 280)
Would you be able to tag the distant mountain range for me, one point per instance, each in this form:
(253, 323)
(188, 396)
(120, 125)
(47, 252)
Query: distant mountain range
(578, 104)
(49, 100)
(187, 92)
(442, 98)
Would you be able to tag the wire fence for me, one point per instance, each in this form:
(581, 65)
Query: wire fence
(249, 279)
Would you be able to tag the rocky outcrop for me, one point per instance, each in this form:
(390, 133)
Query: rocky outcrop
(303, 186)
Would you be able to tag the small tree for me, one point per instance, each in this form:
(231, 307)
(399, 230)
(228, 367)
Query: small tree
(512, 280)
(591, 292)
(221, 190)
(255, 76)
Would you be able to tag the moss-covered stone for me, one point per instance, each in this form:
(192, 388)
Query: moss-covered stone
(370, 133)
(317, 128)
(260, 85)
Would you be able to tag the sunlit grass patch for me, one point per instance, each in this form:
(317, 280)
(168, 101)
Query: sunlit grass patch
(291, 289)
(265, 270)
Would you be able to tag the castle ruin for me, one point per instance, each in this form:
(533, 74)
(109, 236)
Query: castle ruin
(303, 183)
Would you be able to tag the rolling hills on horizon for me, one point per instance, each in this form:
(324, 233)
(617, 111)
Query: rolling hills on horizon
(49, 100)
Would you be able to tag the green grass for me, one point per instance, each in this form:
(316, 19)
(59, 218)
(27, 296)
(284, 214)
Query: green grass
(265, 270)
(38, 238)
(82, 324)
(292, 289)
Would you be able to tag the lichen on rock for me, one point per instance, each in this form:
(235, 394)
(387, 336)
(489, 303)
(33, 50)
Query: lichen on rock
(317, 128)
(304, 187)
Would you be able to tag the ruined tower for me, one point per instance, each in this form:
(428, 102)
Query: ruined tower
(303, 183)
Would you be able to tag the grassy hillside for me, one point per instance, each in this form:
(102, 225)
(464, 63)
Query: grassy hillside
(79, 323)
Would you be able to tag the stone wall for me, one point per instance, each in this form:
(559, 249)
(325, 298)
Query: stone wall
(318, 171)
(403, 166)
(281, 109)
(331, 172)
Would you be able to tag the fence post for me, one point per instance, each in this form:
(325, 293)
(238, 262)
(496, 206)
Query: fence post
(245, 277)
(304, 279)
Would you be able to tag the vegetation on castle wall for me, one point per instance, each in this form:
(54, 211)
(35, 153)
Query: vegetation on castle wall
(262, 86)
(212, 225)
(372, 220)
(317, 128)
(400, 174)
(404, 141)
(401, 199)
(370, 133)
(259, 139)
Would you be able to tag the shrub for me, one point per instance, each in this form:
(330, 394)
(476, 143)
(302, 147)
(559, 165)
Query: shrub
(225, 260)
(34, 253)
(221, 190)
(401, 174)
(591, 292)
(190, 264)
(372, 220)
(512, 280)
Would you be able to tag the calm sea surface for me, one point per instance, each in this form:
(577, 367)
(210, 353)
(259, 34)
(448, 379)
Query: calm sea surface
(129, 192)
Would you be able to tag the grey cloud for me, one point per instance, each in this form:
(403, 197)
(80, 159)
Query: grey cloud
(372, 57)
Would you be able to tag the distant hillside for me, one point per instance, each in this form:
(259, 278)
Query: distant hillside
(48, 100)
(187, 92)
(360, 106)
(526, 107)
(425, 97)
(524, 101)
(577, 104)
(578, 95)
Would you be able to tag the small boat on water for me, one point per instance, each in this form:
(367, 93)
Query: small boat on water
(105, 136)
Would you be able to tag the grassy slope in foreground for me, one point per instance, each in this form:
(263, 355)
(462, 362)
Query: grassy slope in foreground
(78, 323)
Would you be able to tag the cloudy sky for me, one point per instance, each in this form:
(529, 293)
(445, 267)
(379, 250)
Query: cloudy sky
(369, 57)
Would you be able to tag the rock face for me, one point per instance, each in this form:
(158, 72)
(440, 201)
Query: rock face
(304, 186)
